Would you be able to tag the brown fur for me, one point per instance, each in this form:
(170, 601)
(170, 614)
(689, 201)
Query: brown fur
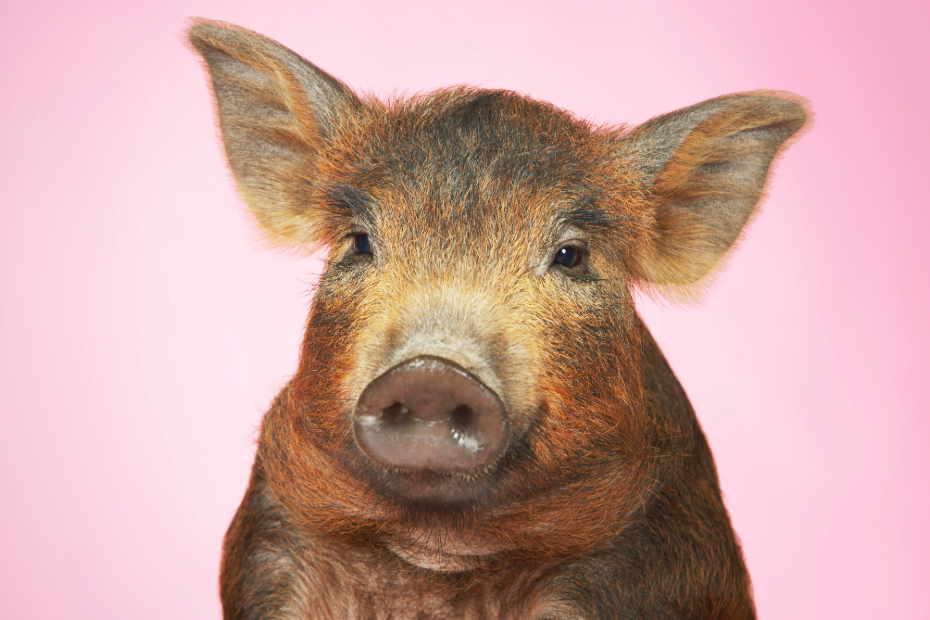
(606, 503)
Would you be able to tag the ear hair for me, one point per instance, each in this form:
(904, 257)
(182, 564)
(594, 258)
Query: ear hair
(705, 170)
(277, 113)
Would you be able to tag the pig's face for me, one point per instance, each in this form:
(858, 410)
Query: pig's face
(488, 232)
(488, 235)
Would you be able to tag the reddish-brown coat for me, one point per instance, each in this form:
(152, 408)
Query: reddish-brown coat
(606, 503)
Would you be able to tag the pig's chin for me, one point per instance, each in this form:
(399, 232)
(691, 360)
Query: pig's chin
(442, 550)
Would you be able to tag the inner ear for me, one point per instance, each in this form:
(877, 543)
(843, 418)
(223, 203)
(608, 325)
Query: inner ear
(705, 170)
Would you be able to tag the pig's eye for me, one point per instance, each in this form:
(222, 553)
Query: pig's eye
(361, 243)
(568, 256)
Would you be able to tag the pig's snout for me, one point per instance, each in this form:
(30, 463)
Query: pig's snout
(430, 414)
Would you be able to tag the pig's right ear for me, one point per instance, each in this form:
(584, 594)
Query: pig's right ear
(277, 113)
(704, 169)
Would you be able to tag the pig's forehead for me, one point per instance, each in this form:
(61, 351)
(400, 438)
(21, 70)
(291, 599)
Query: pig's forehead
(475, 154)
(451, 113)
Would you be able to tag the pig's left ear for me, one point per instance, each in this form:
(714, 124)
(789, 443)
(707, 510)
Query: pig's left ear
(705, 169)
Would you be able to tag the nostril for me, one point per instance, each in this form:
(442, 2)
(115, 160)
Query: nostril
(395, 415)
(463, 423)
(462, 418)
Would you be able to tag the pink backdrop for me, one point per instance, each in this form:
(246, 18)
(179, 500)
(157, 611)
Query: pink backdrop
(143, 329)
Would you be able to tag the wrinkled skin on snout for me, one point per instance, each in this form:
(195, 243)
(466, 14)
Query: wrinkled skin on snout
(429, 416)
(480, 426)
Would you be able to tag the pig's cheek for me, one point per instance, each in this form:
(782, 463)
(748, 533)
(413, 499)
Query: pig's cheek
(579, 345)
(329, 341)
(365, 334)
(355, 328)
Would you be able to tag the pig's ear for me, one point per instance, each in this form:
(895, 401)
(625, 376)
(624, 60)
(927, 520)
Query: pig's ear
(277, 113)
(705, 170)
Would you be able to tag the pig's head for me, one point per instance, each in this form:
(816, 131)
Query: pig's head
(471, 375)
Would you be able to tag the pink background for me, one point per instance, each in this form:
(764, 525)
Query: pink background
(144, 330)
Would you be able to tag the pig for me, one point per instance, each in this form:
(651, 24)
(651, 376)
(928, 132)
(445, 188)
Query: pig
(480, 425)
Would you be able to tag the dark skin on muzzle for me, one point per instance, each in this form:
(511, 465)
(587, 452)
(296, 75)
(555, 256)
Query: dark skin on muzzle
(480, 425)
